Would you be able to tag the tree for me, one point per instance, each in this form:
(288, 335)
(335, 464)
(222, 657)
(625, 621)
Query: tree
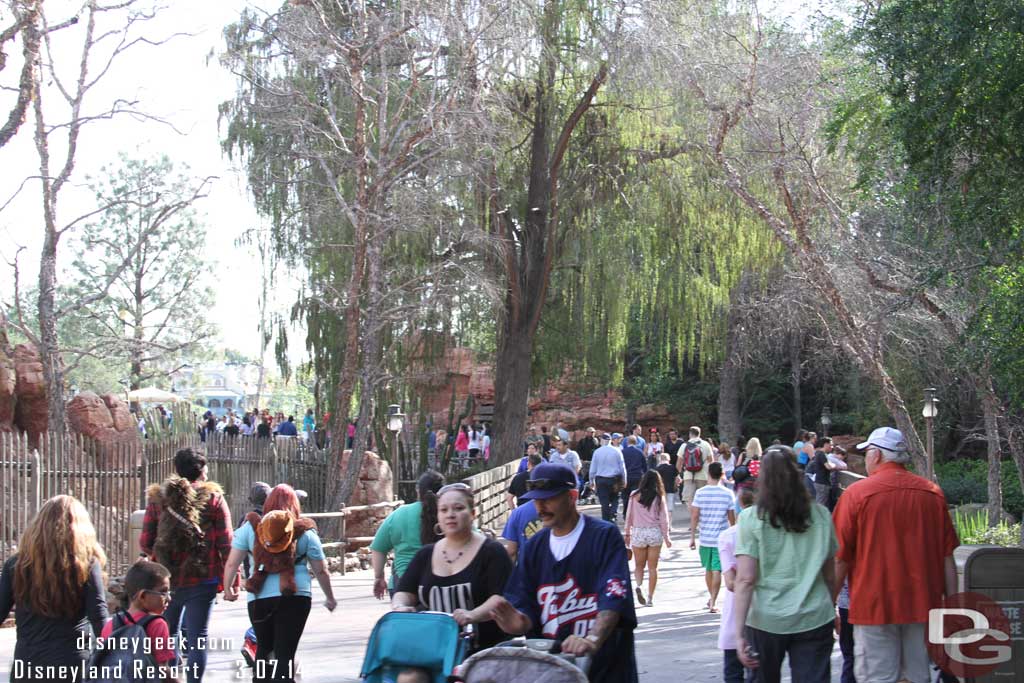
(106, 33)
(346, 115)
(25, 18)
(154, 311)
(765, 123)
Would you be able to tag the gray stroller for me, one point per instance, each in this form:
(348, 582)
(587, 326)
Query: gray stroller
(524, 660)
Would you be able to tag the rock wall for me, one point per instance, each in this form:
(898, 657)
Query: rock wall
(8, 397)
(376, 485)
(31, 413)
(107, 420)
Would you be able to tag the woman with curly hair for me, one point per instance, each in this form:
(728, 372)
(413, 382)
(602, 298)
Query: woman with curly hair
(647, 528)
(55, 584)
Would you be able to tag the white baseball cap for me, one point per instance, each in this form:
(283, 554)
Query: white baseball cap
(886, 438)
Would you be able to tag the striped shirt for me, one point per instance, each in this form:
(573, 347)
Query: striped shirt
(714, 503)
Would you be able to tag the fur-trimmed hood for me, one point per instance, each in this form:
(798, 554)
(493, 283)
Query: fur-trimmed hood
(158, 493)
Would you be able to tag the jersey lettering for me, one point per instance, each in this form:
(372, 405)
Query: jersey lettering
(565, 604)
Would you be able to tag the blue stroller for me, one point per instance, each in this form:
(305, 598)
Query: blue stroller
(424, 640)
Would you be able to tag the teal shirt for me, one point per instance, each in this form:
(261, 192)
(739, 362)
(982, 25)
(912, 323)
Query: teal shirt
(400, 532)
(308, 545)
(308, 424)
(790, 595)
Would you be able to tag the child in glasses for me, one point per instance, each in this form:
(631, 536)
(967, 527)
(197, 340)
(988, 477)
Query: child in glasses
(147, 591)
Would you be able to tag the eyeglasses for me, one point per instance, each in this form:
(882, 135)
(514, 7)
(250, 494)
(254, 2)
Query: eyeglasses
(547, 485)
(457, 486)
(166, 595)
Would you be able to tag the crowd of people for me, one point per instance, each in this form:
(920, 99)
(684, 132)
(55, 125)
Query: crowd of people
(262, 424)
(785, 574)
(783, 570)
(56, 584)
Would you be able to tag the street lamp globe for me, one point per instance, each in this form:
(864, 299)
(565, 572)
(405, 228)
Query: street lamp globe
(396, 420)
(931, 404)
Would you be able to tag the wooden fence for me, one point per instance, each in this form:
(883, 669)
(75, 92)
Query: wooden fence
(489, 490)
(111, 480)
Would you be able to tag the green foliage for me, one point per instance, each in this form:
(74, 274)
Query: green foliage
(975, 530)
(966, 481)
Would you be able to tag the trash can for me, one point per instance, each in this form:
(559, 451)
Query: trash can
(998, 573)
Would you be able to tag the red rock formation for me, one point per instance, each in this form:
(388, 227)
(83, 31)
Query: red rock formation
(31, 414)
(106, 420)
(375, 485)
(8, 382)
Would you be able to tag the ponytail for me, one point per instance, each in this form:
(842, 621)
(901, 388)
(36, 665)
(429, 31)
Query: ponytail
(428, 485)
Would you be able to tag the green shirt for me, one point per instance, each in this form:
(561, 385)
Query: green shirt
(400, 532)
(790, 595)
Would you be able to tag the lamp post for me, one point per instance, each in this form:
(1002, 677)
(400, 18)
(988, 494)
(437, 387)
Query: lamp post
(826, 420)
(396, 420)
(930, 411)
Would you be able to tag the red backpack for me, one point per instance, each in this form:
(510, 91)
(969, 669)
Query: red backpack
(693, 457)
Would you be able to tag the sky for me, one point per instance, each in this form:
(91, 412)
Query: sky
(180, 83)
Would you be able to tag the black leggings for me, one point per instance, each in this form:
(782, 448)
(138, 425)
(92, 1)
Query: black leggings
(278, 623)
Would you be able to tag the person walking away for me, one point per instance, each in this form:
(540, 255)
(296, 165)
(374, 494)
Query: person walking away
(517, 487)
(283, 545)
(647, 528)
(572, 582)
(546, 438)
(405, 531)
(733, 671)
(669, 479)
(288, 428)
(893, 519)
(711, 512)
(147, 591)
(753, 458)
(187, 529)
(694, 458)
(785, 577)
(462, 446)
(636, 466)
(607, 474)
(55, 585)
(474, 443)
(463, 573)
(308, 426)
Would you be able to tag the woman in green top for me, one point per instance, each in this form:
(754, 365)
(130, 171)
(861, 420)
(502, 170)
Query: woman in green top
(405, 531)
(784, 576)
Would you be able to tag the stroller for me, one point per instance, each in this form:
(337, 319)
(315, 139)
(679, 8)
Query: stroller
(425, 640)
(535, 660)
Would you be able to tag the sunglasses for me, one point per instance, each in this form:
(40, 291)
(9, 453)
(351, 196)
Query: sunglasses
(166, 595)
(457, 486)
(547, 485)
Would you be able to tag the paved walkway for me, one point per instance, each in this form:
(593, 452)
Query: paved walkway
(676, 639)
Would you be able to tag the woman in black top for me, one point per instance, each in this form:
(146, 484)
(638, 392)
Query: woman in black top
(55, 584)
(461, 574)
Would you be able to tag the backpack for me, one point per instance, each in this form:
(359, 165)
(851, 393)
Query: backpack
(281, 563)
(124, 631)
(693, 457)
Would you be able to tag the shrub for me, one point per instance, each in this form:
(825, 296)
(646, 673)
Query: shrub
(974, 530)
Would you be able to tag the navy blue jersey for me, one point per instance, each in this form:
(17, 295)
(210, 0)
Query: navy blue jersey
(563, 598)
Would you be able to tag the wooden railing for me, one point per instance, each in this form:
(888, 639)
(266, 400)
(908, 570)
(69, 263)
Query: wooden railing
(489, 491)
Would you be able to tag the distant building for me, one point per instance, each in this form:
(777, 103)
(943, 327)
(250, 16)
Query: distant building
(218, 386)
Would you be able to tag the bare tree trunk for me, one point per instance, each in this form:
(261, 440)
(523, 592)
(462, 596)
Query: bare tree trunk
(730, 423)
(795, 373)
(1013, 430)
(990, 405)
(49, 348)
(31, 39)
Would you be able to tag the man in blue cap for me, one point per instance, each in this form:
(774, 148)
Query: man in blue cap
(572, 581)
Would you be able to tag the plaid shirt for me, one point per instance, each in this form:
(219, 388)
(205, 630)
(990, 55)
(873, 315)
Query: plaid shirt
(218, 536)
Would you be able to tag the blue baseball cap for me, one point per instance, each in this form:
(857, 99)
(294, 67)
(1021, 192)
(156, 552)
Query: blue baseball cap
(548, 480)
(616, 435)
